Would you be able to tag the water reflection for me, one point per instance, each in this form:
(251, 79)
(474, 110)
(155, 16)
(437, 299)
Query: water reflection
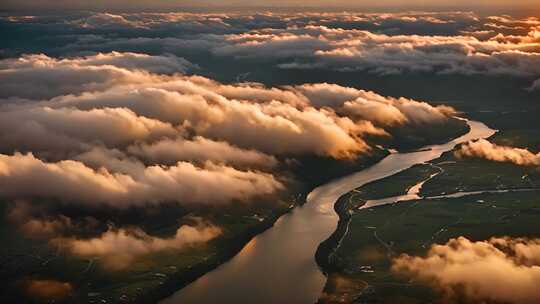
(278, 266)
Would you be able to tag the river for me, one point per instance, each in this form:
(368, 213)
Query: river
(278, 266)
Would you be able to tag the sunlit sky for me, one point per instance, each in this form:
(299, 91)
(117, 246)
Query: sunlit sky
(118, 4)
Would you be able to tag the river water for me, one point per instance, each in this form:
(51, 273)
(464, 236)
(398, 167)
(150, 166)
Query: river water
(278, 266)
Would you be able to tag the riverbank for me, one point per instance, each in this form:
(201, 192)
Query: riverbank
(337, 288)
(472, 198)
(234, 245)
(182, 279)
(293, 241)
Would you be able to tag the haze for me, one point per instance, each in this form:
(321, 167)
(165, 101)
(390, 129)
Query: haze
(119, 4)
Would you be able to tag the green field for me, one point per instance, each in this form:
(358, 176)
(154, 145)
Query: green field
(377, 235)
(148, 278)
(359, 269)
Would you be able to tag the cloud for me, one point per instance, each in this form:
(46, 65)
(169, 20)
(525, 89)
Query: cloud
(380, 110)
(231, 22)
(45, 228)
(249, 116)
(382, 114)
(182, 22)
(380, 43)
(43, 221)
(322, 119)
(511, 21)
(44, 128)
(247, 123)
(501, 269)
(118, 135)
(187, 34)
(39, 76)
(113, 160)
(486, 150)
(50, 290)
(24, 176)
(320, 46)
(106, 21)
(200, 149)
(118, 248)
(327, 94)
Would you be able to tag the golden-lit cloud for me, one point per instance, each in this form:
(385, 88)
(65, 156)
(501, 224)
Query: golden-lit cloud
(200, 149)
(321, 119)
(39, 76)
(25, 176)
(110, 118)
(505, 270)
(118, 248)
(53, 129)
(114, 132)
(486, 150)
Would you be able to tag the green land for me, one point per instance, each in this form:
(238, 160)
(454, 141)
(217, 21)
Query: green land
(359, 269)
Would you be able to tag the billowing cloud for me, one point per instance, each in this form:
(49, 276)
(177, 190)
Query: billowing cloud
(320, 46)
(503, 270)
(370, 106)
(43, 128)
(106, 21)
(486, 150)
(167, 64)
(248, 116)
(120, 135)
(40, 76)
(200, 149)
(24, 176)
(113, 160)
(117, 248)
(383, 54)
(246, 124)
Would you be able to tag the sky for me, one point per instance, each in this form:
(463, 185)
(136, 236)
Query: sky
(118, 4)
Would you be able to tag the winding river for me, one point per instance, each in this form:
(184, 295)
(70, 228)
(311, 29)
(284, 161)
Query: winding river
(278, 266)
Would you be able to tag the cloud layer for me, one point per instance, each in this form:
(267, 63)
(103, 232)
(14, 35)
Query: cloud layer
(104, 114)
(121, 135)
(455, 42)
